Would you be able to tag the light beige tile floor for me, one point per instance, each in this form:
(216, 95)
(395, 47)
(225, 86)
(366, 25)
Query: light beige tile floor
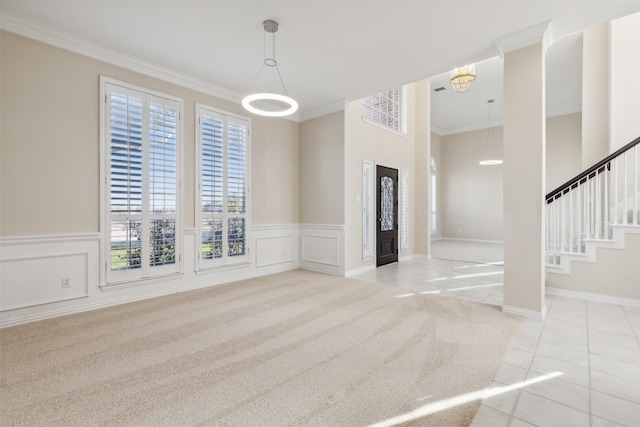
(580, 367)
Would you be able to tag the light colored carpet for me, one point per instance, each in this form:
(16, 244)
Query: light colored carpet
(460, 250)
(292, 349)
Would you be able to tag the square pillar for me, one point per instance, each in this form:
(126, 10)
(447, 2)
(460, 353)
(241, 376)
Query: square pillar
(524, 170)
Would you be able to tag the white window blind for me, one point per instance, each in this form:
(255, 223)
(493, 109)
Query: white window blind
(223, 150)
(404, 212)
(142, 189)
(385, 109)
(367, 209)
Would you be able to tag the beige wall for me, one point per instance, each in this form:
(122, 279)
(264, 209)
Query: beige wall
(595, 94)
(625, 84)
(614, 273)
(465, 184)
(471, 193)
(322, 170)
(365, 141)
(50, 143)
(563, 151)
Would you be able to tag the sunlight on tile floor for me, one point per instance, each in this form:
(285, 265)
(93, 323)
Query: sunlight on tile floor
(595, 346)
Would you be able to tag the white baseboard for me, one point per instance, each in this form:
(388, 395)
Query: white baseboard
(532, 314)
(360, 270)
(458, 239)
(628, 302)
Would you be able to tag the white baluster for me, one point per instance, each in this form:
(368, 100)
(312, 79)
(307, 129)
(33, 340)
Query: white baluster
(606, 201)
(563, 238)
(592, 214)
(570, 194)
(597, 206)
(625, 176)
(615, 191)
(579, 211)
(585, 204)
(635, 185)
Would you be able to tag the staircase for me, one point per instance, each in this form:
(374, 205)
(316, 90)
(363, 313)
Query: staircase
(596, 209)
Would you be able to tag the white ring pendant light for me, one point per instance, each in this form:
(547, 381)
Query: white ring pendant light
(270, 104)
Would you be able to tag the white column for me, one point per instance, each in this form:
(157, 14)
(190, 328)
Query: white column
(524, 169)
(595, 95)
(625, 85)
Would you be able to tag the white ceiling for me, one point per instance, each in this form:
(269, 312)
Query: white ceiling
(332, 51)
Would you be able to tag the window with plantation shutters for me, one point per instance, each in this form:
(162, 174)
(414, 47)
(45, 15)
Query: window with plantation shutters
(386, 109)
(141, 158)
(223, 217)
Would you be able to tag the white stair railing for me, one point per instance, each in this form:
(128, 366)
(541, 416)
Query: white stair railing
(591, 204)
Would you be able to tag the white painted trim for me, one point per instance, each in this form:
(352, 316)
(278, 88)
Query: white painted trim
(437, 131)
(51, 238)
(628, 302)
(85, 294)
(323, 227)
(360, 270)
(540, 33)
(322, 111)
(118, 301)
(335, 239)
(269, 227)
(470, 240)
(140, 282)
(316, 256)
(526, 313)
(54, 37)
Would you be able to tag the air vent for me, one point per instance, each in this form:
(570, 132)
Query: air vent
(438, 89)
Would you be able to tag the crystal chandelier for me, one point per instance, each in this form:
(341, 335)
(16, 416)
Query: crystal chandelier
(462, 78)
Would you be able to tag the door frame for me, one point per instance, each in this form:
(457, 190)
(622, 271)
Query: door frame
(390, 258)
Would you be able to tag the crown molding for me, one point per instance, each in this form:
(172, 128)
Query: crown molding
(437, 130)
(51, 36)
(541, 33)
(322, 111)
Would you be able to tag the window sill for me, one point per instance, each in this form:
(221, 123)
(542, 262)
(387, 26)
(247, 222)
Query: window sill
(388, 129)
(216, 269)
(139, 282)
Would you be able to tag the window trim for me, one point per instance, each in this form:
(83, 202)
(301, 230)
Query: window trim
(244, 260)
(404, 209)
(104, 170)
(402, 112)
(368, 198)
(433, 189)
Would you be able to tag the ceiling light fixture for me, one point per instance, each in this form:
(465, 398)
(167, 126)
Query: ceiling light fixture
(270, 104)
(489, 158)
(462, 77)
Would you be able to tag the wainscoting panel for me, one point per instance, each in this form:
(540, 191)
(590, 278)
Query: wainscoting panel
(51, 276)
(322, 248)
(42, 270)
(276, 245)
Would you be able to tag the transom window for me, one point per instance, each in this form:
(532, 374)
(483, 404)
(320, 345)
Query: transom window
(141, 144)
(386, 109)
(223, 188)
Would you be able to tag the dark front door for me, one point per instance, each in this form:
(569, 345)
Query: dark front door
(387, 216)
